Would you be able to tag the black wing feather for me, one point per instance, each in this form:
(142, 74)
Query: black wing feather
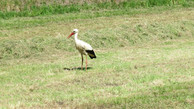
(91, 54)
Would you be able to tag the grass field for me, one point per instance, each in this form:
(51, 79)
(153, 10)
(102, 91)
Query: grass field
(31, 8)
(145, 59)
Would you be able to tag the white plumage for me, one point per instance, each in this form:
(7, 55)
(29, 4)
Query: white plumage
(83, 47)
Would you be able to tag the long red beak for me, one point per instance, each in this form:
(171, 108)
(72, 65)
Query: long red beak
(70, 35)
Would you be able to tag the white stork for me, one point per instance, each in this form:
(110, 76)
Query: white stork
(83, 47)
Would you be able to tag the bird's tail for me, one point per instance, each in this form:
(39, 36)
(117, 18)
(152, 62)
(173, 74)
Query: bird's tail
(91, 54)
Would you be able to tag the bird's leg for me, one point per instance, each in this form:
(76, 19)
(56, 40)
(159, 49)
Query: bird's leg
(86, 62)
(82, 61)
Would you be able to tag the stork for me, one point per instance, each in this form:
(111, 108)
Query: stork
(83, 47)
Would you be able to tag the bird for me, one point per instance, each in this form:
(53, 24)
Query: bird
(83, 48)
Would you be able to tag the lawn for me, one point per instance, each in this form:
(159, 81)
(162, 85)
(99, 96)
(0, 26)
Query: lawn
(144, 60)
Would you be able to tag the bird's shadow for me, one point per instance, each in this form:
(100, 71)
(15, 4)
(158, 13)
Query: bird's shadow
(77, 68)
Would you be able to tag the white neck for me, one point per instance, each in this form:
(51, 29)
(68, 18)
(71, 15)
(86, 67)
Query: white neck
(76, 34)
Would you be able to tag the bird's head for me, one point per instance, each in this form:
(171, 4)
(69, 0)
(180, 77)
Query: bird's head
(74, 32)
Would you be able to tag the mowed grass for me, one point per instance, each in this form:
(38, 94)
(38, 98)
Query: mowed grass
(150, 76)
(143, 61)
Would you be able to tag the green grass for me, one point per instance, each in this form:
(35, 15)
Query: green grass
(143, 61)
(42, 20)
(41, 8)
(147, 76)
(22, 40)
